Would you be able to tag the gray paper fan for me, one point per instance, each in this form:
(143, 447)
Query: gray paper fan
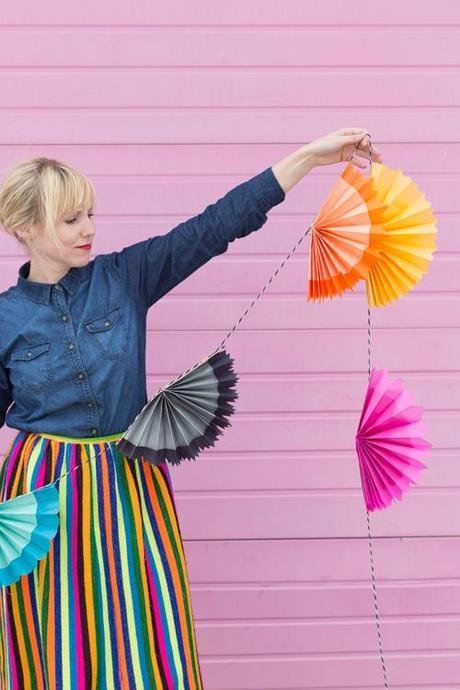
(185, 416)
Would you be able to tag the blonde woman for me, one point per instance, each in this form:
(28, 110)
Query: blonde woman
(109, 605)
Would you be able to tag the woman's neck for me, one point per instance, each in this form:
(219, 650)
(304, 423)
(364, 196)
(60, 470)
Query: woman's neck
(51, 276)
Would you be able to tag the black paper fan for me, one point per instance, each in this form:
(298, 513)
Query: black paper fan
(185, 416)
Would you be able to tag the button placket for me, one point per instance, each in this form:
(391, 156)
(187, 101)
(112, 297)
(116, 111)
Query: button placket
(76, 362)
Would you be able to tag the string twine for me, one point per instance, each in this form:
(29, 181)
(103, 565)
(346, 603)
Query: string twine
(220, 346)
(369, 535)
(231, 331)
(368, 520)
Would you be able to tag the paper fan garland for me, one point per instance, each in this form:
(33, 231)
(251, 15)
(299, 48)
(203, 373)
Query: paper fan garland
(345, 234)
(190, 413)
(389, 441)
(185, 416)
(28, 522)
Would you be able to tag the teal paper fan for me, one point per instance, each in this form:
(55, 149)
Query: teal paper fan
(28, 522)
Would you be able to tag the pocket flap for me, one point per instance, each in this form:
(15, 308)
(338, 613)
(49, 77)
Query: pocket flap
(30, 352)
(103, 323)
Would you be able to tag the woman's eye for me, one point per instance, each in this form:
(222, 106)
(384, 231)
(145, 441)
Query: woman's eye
(74, 219)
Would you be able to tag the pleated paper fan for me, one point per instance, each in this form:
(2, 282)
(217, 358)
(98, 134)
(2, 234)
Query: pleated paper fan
(186, 416)
(390, 441)
(345, 233)
(28, 522)
(409, 238)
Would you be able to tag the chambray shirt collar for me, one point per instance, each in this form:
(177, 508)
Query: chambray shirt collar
(41, 292)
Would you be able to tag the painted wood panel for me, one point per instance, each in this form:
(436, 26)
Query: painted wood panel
(168, 106)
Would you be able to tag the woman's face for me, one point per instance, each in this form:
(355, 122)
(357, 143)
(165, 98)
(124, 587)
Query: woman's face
(75, 229)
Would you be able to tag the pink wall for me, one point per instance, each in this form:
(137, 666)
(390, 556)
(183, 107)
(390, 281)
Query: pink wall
(166, 106)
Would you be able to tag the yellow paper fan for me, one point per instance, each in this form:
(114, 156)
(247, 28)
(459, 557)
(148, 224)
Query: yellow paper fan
(408, 240)
(345, 235)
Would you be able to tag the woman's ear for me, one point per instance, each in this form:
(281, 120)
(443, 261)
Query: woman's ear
(24, 235)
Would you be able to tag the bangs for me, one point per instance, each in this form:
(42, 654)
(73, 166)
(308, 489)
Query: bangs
(76, 193)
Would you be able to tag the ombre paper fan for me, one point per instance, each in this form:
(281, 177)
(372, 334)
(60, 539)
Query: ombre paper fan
(409, 238)
(344, 237)
(389, 442)
(28, 522)
(185, 416)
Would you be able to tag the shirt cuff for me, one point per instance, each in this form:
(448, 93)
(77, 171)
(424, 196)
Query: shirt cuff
(267, 189)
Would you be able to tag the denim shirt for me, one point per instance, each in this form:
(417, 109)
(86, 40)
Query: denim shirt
(72, 354)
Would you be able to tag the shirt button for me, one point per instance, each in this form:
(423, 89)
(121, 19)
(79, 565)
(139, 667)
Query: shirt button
(94, 432)
(64, 318)
(71, 346)
(29, 354)
(57, 287)
(107, 323)
(90, 404)
(81, 375)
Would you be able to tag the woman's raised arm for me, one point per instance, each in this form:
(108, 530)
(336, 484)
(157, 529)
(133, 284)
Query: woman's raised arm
(152, 267)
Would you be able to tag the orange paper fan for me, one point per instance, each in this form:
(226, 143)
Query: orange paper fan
(344, 237)
(408, 240)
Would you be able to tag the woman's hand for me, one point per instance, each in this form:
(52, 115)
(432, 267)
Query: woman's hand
(336, 147)
(339, 146)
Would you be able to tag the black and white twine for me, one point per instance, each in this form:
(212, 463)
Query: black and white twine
(369, 535)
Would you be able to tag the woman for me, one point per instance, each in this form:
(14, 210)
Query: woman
(109, 605)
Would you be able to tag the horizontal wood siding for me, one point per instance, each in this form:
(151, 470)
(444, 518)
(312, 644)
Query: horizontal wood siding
(166, 106)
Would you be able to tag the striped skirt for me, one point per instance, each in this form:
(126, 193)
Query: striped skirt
(109, 605)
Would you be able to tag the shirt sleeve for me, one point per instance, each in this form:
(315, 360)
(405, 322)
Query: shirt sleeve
(6, 397)
(154, 266)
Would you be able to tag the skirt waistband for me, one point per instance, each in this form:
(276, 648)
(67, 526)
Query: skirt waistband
(79, 439)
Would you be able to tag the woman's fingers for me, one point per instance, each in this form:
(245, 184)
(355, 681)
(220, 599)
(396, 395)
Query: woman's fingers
(356, 136)
(350, 131)
(364, 147)
(376, 155)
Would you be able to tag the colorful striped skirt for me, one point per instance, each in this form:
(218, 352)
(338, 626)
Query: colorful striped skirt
(109, 605)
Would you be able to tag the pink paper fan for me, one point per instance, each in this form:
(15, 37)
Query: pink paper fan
(389, 441)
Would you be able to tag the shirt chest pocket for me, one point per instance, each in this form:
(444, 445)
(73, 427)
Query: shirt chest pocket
(31, 366)
(108, 333)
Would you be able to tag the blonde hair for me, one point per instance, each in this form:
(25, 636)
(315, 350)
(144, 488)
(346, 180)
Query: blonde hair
(41, 191)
